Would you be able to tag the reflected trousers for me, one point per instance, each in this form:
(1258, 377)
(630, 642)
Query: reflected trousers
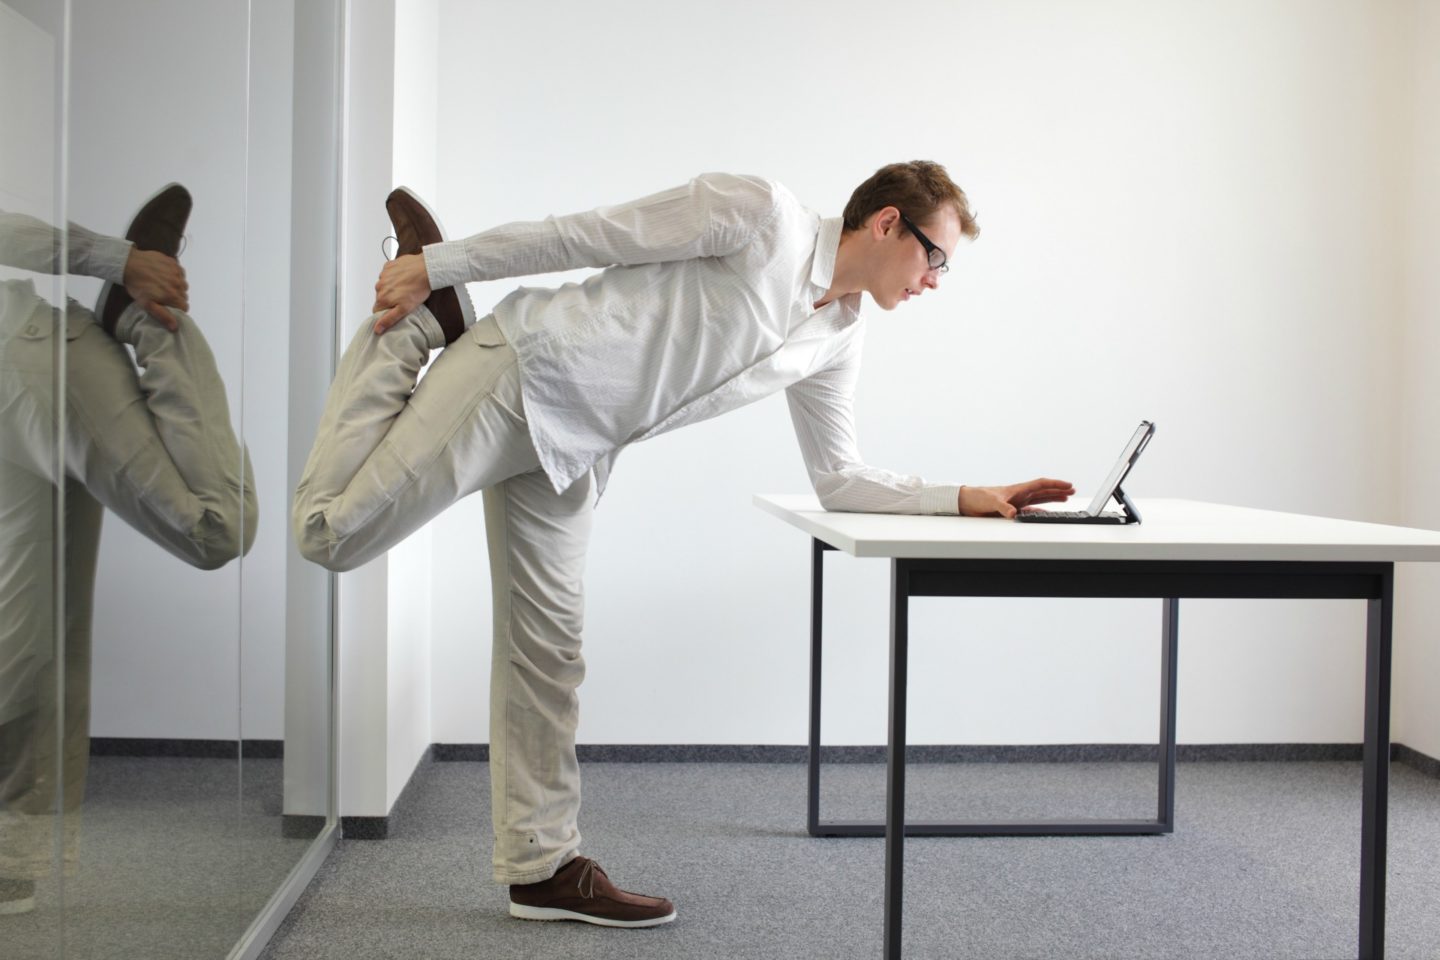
(153, 445)
(392, 454)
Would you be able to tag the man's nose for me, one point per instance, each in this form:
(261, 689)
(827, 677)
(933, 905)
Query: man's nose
(931, 279)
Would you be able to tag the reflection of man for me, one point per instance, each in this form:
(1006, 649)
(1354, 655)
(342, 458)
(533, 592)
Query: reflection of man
(714, 294)
(155, 447)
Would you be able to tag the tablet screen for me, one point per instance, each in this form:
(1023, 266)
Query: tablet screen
(1132, 450)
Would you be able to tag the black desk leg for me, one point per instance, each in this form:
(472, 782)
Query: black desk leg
(895, 773)
(817, 581)
(1376, 790)
(1169, 637)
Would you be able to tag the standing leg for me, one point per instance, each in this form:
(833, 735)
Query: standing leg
(537, 540)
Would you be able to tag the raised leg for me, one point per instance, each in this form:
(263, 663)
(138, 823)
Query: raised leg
(390, 455)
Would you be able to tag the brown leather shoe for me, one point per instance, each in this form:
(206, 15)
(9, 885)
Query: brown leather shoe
(580, 890)
(159, 226)
(415, 226)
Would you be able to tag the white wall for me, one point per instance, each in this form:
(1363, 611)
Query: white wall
(417, 25)
(362, 608)
(1189, 214)
(313, 228)
(1417, 643)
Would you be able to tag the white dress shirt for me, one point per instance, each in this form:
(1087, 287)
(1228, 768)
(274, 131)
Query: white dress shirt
(707, 303)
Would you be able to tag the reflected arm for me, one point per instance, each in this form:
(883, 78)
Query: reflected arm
(31, 244)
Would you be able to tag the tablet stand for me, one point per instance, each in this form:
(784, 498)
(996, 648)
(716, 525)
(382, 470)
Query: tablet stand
(1132, 515)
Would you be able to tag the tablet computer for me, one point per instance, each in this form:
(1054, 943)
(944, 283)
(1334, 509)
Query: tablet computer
(1096, 513)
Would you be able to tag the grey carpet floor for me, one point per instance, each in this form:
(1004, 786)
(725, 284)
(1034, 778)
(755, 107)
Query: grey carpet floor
(1263, 864)
(176, 858)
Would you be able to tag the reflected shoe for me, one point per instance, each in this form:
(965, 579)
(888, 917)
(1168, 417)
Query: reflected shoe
(415, 226)
(16, 896)
(580, 890)
(159, 226)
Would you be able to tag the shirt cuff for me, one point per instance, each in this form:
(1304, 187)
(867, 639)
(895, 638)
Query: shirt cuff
(941, 498)
(107, 259)
(446, 264)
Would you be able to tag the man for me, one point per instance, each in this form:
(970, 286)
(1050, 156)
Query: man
(713, 295)
(154, 446)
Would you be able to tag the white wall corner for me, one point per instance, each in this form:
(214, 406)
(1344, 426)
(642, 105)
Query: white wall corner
(362, 608)
(1416, 713)
(415, 39)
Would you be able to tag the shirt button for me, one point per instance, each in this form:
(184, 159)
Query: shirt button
(32, 329)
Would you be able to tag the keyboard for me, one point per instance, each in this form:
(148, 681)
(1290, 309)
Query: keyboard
(1069, 516)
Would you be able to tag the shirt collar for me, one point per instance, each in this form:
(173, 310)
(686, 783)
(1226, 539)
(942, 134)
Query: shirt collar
(827, 244)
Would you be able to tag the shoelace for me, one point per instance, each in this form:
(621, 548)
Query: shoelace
(588, 872)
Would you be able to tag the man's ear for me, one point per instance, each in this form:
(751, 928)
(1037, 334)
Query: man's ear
(884, 221)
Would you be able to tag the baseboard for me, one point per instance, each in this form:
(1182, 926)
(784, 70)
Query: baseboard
(787, 753)
(301, 826)
(196, 749)
(378, 828)
(955, 753)
(1399, 753)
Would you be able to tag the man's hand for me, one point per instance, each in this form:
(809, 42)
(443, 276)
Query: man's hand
(156, 281)
(1007, 501)
(404, 284)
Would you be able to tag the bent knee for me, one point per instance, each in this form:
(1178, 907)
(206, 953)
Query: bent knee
(315, 546)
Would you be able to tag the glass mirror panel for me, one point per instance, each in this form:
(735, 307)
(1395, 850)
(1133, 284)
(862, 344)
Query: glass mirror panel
(166, 741)
(37, 839)
(158, 140)
(290, 248)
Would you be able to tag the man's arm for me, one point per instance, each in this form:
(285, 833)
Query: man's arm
(713, 215)
(152, 279)
(34, 245)
(821, 407)
(822, 410)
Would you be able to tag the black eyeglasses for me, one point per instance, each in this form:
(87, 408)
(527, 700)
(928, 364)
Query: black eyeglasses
(938, 260)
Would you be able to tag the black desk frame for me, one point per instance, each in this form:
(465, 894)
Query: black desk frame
(1164, 579)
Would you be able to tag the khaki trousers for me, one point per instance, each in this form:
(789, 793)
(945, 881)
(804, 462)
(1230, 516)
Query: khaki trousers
(154, 446)
(390, 455)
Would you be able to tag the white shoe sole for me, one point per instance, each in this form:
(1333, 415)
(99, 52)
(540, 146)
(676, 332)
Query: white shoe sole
(12, 908)
(554, 913)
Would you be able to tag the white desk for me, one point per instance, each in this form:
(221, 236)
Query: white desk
(1183, 549)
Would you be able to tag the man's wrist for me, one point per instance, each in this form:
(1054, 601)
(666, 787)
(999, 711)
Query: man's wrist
(109, 256)
(446, 264)
(940, 500)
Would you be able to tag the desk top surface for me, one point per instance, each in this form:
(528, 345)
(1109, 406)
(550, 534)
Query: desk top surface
(1172, 530)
